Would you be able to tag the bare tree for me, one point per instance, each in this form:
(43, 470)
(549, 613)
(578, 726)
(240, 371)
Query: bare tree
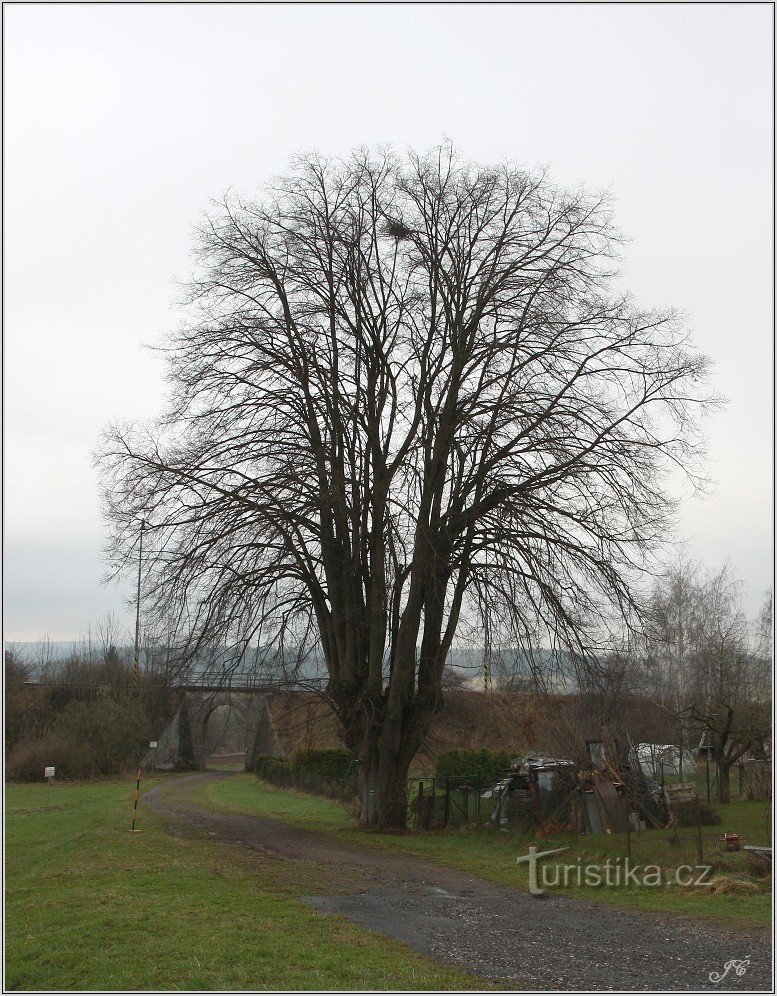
(43, 658)
(109, 635)
(707, 664)
(674, 631)
(762, 636)
(736, 716)
(407, 395)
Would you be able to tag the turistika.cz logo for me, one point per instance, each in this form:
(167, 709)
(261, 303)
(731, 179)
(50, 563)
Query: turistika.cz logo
(614, 873)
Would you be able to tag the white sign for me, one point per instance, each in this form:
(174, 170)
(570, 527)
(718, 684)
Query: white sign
(49, 773)
(152, 744)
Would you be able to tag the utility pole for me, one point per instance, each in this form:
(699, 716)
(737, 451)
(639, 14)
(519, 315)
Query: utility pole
(486, 644)
(136, 671)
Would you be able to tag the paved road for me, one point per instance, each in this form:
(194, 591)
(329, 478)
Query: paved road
(503, 934)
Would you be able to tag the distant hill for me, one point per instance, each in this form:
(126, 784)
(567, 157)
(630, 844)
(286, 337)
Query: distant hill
(464, 664)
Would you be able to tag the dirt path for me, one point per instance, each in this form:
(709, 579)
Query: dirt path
(505, 934)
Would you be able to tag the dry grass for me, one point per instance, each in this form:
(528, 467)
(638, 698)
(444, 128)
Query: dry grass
(512, 721)
(304, 721)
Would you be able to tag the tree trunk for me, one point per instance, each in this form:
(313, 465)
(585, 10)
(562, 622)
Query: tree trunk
(382, 789)
(724, 787)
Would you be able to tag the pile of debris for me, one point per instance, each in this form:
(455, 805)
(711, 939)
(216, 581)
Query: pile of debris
(608, 793)
(534, 792)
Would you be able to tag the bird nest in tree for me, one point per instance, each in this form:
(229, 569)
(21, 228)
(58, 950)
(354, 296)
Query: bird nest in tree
(397, 230)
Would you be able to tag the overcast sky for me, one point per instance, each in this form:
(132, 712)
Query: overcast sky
(122, 121)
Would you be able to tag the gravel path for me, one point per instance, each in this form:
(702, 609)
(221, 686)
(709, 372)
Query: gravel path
(504, 934)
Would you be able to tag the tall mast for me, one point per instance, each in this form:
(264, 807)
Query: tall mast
(137, 607)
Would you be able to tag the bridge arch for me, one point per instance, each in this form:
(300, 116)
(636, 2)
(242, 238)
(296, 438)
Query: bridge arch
(224, 728)
(183, 744)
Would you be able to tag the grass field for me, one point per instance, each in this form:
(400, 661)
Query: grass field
(491, 853)
(88, 906)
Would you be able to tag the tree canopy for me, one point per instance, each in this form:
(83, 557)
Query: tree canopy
(408, 396)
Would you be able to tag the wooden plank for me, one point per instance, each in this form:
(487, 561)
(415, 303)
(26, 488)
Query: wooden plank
(616, 815)
(591, 811)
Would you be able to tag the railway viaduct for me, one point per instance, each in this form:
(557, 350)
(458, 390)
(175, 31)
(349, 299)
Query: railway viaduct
(184, 742)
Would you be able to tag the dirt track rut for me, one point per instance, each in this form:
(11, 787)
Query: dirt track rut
(504, 934)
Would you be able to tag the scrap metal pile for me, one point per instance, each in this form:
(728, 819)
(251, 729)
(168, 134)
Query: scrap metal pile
(608, 793)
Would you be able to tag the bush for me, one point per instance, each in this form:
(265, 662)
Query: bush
(328, 772)
(27, 760)
(103, 737)
(333, 773)
(88, 718)
(693, 812)
(472, 767)
(116, 729)
(25, 717)
(329, 765)
(277, 770)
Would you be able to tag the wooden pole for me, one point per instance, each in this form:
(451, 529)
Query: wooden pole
(136, 664)
(135, 810)
(699, 845)
(628, 830)
(577, 817)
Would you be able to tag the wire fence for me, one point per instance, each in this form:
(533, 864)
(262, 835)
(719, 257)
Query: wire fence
(432, 801)
(748, 780)
(451, 801)
(436, 802)
(439, 802)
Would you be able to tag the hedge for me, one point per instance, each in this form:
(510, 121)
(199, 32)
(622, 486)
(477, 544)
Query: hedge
(325, 772)
(473, 767)
(330, 765)
(277, 770)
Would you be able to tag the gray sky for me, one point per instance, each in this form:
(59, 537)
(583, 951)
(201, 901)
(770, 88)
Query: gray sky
(121, 122)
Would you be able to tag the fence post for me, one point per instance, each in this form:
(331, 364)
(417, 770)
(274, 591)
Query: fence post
(576, 817)
(419, 821)
(662, 775)
(478, 789)
(707, 764)
(628, 832)
(447, 801)
(699, 847)
(741, 778)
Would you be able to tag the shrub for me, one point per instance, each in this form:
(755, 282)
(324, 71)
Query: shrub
(329, 772)
(693, 812)
(72, 759)
(472, 767)
(23, 715)
(116, 729)
(329, 765)
(277, 770)
(326, 772)
(103, 737)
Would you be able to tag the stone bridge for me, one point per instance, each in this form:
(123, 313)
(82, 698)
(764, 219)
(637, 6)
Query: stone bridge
(184, 742)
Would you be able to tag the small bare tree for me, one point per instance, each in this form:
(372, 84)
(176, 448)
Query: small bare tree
(407, 395)
(705, 664)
